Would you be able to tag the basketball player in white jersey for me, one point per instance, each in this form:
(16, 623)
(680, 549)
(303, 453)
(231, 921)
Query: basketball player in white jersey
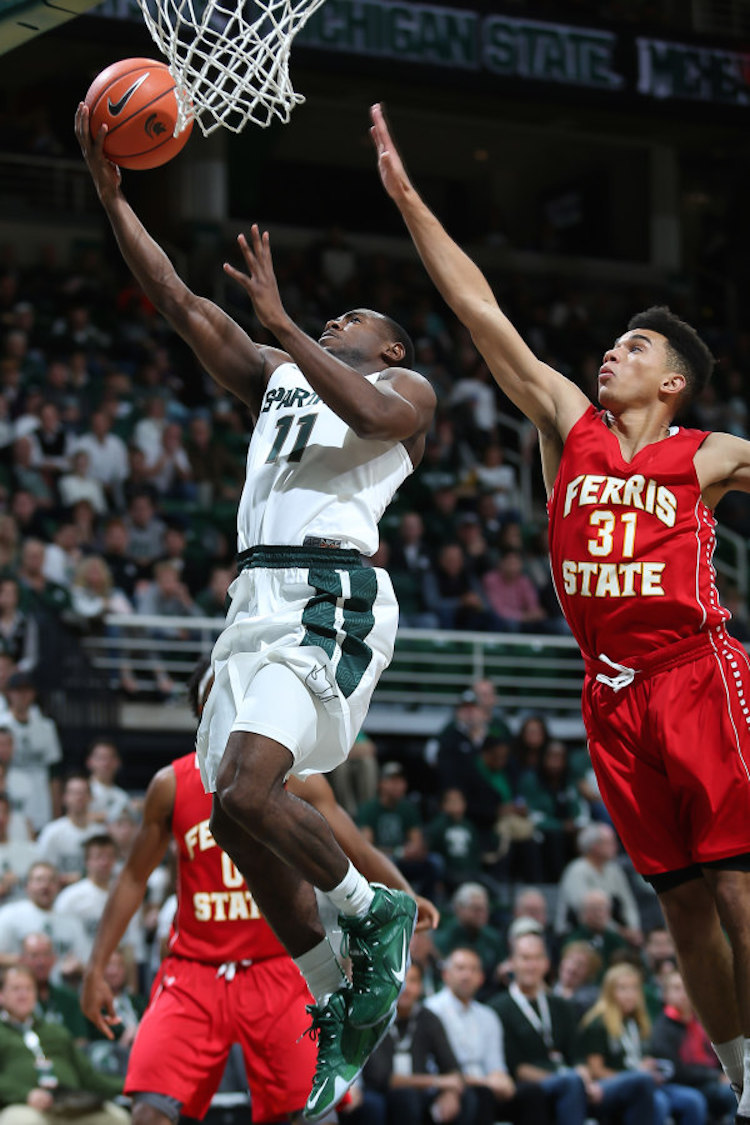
(339, 424)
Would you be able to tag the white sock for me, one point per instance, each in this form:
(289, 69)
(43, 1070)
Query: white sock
(731, 1055)
(353, 895)
(321, 970)
(744, 1106)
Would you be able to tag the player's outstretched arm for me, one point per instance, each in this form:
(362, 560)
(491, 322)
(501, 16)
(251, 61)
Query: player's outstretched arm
(222, 347)
(372, 863)
(543, 394)
(398, 407)
(126, 896)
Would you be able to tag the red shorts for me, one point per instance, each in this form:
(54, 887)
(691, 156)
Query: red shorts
(671, 753)
(195, 1015)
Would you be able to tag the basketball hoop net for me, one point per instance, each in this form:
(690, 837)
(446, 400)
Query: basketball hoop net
(230, 61)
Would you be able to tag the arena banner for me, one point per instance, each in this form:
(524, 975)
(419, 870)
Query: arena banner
(495, 46)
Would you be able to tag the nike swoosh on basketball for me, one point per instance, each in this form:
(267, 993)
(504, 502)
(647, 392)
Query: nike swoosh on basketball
(118, 106)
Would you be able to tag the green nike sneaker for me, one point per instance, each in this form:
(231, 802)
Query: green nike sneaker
(378, 945)
(343, 1051)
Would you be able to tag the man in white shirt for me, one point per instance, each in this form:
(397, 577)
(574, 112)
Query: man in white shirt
(476, 1036)
(16, 856)
(34, 915)
(108, 455)
(18, 787)
(61, 841)
(86, 898)
(596, 869)
(36, 747)
(108, 801)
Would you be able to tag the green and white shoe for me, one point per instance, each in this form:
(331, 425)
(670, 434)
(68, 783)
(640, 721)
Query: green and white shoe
(378, 945)
(343, 1051)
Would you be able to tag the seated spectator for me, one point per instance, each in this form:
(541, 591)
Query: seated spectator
(166, 596)
(580, 967)
(355, 781)
(678, 1036)
(659, 959)
(25, 475)
(212, 601)
(108, 456)
(554, 808)
(61, 842)
(145, 530)
(510, 845)
(540, 1034)
(596, 927)
(10, 542)
(597, 869)
(94, 595)
(454, 593)
(40, 1065)
(393, 823)
(129, 1006)
(494, 477)
(36, 748)
(18, 788)
(19, 632)
(414, 1074)
(125, 571)
(453, 837)
(469, 928)
(455, 750)
(217, 474)
(192, 568)
(512, 595)
(107, 799)
(470, 534)
(63, 554)
(529, 743)
(613, 1044)
(80, 484)
(171, 473)
(476, 1037)
(56, 1003)
(16, 855)
(86, 898)
(34, 914)
(530, 905)
(486, 693)
(46, 600)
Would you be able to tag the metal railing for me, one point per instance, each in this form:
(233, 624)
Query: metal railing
(430, 668)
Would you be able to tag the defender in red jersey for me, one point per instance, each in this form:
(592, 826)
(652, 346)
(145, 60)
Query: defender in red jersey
(227, 978)
(666, 699)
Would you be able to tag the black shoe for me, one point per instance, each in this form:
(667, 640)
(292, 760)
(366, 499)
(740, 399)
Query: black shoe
(740, 1119)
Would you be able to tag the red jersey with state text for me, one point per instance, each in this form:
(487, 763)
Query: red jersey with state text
(631, 542)
(217, 919)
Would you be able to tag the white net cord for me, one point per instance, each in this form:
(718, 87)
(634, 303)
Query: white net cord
(230, 61)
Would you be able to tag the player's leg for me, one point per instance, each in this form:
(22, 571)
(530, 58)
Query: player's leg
(144, 1114)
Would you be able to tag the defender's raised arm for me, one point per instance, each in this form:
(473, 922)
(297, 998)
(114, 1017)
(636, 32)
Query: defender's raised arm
(545, 396)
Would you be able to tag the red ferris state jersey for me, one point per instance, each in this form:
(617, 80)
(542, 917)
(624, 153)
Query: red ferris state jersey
(631, 543)
(217, 919)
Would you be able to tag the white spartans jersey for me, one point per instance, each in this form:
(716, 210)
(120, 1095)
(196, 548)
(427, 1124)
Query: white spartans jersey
(309, 474)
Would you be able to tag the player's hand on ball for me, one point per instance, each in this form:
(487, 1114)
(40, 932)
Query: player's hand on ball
(390, 165)
(105, 174)
(260, 280)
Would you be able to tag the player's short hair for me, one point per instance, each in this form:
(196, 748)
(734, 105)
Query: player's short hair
(689, 355)
(401, 336)
(193, 686)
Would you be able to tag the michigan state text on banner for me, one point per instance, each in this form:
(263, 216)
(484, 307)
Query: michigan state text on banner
(706, 74)
(550, 52)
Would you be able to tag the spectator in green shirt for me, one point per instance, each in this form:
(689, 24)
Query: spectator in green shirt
(393, 823)
(596, 927)
(470, 928)
(39, 1064)
(453, 837)
(55, 1002)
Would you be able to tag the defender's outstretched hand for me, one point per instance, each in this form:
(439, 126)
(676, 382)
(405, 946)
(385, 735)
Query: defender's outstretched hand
(260, 280)
(105, 174)
(390, 165)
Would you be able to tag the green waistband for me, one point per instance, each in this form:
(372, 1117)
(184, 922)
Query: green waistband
(333, 557)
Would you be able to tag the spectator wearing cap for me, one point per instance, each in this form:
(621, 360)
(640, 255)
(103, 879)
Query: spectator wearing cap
(469, 928)
(392, 823)
(62, 840)
(36, 748)
(597, 869)
(540, 1033)
(455, 750)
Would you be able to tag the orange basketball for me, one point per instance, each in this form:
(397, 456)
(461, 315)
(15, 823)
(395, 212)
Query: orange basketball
(136, 99)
